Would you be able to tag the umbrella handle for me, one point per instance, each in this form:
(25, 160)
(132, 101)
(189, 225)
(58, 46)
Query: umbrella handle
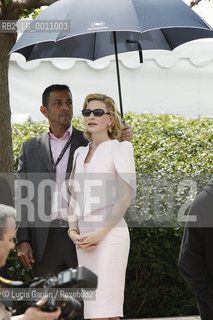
(139, 49)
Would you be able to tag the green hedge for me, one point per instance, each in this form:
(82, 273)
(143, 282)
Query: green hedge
(168, 149)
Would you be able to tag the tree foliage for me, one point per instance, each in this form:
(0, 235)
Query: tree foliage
(196, 2)
(10, 10)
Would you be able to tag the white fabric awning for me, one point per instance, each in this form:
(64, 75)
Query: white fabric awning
(178, 82)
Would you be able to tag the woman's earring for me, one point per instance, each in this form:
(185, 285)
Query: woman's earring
(109, 128)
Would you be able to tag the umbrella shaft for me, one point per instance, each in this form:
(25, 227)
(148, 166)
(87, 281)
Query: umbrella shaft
(118, 75)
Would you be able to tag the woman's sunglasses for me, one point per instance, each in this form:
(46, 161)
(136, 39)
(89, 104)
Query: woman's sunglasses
(96, 112)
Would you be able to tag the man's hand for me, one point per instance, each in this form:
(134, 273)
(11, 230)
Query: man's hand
(126, 133)
(25, 254)
(34, 313)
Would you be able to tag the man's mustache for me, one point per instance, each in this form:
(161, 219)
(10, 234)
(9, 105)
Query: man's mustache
(65, 114)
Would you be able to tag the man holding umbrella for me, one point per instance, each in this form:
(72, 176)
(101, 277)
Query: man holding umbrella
(44, 246)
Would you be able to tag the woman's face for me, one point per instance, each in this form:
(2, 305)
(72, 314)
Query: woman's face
(95, 124)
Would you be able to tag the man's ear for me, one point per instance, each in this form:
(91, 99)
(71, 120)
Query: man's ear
(43, 110)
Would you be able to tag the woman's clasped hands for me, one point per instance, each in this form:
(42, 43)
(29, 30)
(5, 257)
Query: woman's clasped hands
(88, 240)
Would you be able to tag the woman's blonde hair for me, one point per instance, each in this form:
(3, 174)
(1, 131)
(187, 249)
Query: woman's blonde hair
(114, 131)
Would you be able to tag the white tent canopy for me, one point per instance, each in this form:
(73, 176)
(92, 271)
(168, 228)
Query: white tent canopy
(178, 82)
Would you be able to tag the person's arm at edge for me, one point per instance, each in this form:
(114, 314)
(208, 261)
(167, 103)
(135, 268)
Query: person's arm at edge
(73, 231)
(25, 252)
(191, 261)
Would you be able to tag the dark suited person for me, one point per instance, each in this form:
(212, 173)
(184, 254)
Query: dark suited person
(196, 258)
(45, 245)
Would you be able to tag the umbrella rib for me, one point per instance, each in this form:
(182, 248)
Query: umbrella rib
(93, 58)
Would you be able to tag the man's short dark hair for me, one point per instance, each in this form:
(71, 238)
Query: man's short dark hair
(53, 87)
(5, 213)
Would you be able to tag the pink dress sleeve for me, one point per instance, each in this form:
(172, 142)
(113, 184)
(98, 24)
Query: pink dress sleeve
(72, 174)
(125, 164)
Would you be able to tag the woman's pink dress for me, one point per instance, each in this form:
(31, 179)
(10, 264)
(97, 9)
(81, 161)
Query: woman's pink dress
(97, 186)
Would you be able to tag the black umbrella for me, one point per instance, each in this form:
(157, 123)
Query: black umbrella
(92, 29)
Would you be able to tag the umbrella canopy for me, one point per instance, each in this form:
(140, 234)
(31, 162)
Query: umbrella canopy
(96, 28)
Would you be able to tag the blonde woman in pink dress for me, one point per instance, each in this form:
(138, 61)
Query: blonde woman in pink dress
(103, 185)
